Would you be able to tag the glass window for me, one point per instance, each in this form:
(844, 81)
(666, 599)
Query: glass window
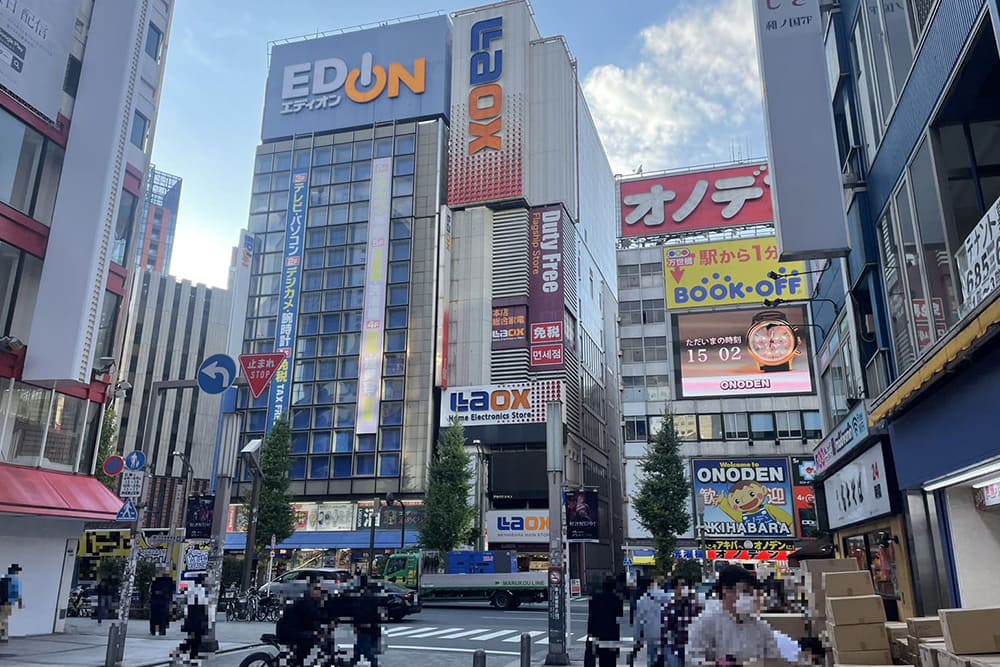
(363, 150)
(399, 250)
(396, 318)
(655, 348)
(686, 427)
(392, 439)
(342, 467)
(399, 272)
(710, 427)
(736, 427)
(323, 417)
(651, 274)
(658, 387)
(319, 467)
(347, 391)
(366, 443)
(364, 465)
(400, 229)
(896, 32)
(789, 424)
(343, 441)
(875, 48)
(913, 266)
(392, 414)
(359, 212)
(360, 191)
(392, 389)
(388, 465)
(762, 426)
(350, 343)
(262, 163)
(630, 312)
(322, 155)
(895, 288)
(919, 11)
(402, 207)
(403, 166)
(395, 365)
(358, 233)
(395, 341)
(343, 153)
(324, 396)
(405, 144)
(154, 38)
(399, 295)
(348, 368)
(300, 443)
(301, 418)
(319, 196)
(628, 276)
(140, 130)
(283, 161)
(631, 350)
(653, 311)
(298, 468)
(871, 124)
(402, 186)
(635, 429)
(635, 388)
(340, 194)
(123, 227)
(48, 184)
(345, 416)
(109, 323)
(813, 424)
(383, 147)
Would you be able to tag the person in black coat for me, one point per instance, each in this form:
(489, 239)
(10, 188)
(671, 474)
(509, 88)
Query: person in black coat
(301, 623)
(195, 621)
(161, 593)
(604, 616)
(370, 612)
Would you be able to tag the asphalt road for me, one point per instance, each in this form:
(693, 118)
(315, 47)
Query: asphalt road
(448, 636)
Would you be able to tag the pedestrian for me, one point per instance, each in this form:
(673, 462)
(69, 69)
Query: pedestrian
(681, 609)
(10, 592)
(371, 611)
(161, 594)
(604, 615)
(300, 625)
(729, 630)
(649, 609)
(195, 624)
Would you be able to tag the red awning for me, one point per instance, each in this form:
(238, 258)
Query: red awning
(47, 493)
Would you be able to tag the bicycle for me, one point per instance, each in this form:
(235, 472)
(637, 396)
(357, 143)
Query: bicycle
(243, 607)
(269, 659)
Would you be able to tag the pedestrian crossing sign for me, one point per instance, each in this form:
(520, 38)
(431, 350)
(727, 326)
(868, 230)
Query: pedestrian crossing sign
(127, 512)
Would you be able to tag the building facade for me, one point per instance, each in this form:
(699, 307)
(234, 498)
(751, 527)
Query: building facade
(172, 327)
(910, 356)
(695, 303)
(158, 222)
(77, 114)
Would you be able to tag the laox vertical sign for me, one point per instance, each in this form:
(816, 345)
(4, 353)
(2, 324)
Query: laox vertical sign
(545, 288)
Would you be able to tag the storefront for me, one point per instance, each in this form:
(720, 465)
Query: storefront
(524, 532)
(862, 508)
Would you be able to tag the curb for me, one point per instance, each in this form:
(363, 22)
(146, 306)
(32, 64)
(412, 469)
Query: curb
(228, 650)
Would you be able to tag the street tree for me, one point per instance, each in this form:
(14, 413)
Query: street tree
(662, 501)
(275, 515)
(448, 516)
(106, 448)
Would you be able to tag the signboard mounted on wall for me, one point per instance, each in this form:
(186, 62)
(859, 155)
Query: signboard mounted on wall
(745, 497)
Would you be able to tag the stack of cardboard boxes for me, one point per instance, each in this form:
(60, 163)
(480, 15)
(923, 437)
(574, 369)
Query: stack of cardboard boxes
(956, 638)
(855, 620)
(813, 571)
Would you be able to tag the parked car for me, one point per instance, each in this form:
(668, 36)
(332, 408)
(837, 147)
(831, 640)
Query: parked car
(402, 601)
(292, 584)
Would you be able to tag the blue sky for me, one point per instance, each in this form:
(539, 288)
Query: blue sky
(670, 83)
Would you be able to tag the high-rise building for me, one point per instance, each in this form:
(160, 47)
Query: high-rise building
(406, 263)
(158, 222)
(78, 104)
(173, 326)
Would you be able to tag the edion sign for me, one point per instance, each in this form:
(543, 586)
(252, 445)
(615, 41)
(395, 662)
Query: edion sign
(486, 94)
(317, 83)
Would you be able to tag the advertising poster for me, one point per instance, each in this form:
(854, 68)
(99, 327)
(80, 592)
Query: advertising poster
(198, 525)
(509, 526)
(520, 403)
(743, 353)
(859, 491)
(546, 302)
(730, 273)
(36, 37)
(745, 497)
(510, 327)
(977, 260)
(803, 476)
(581, 516)
(685, 202)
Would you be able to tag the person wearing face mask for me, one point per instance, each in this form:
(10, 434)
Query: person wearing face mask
(729, 631)
(681, 609)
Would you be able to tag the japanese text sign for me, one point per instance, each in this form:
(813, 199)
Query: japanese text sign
(859, 491)
(730, 273)
(259, 370)
(979, 260)
(745, 497)
(288, 295)
(510, 327)
(373, 313)
(743, 353)
(987, 498)
(546, 300)
(847, 435)
(681, 203)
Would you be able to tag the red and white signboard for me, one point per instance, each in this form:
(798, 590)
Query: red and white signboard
(685, 202)
(260, 369)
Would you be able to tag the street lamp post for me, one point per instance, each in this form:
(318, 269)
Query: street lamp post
(189, 472)
(389, 500)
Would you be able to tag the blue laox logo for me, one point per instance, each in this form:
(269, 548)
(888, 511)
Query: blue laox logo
(520, 523)
(724, 288)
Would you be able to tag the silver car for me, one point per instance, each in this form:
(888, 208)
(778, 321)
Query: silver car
(292, 584)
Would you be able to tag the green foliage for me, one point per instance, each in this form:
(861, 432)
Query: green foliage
(689, 570)
(448, 518)
(106, 447)
(662, 501)
(275, 514)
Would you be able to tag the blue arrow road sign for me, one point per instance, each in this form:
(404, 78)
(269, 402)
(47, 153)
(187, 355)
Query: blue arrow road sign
(216, 374)
(135, 461)
(127, 512)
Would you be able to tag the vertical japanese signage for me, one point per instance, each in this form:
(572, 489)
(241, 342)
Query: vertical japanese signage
(546, 302)
(376, 268)
(443, 298)
(978, 260)
(806, 178)
(803, 476)
(288, 308)
(745, 497)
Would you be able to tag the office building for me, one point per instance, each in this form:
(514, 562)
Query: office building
(158, 222)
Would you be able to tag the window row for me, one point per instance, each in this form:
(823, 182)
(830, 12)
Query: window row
(331, 221)
(316, 279)
(646, 388)
(345, 441)
(327, 301)
(344, 179)
(320, 156)
(340, 416)
(634, 276)
(30, 168)
(344, 466)
(648, 349)
(647, 311)
(310, 370)
(790, 424)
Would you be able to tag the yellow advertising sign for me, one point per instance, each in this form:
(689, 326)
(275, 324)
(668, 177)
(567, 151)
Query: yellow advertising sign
(730, 273)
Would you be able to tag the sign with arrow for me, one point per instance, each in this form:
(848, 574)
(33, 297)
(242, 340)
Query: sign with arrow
(127, 513)
(216, 374)
(260, 369)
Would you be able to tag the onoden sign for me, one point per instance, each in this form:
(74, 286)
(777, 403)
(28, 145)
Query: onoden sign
(730, 273)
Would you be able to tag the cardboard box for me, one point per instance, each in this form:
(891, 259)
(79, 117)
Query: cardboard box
(929, 654)
(895, 631)
(846, 584)
(946, 658)
(915, 642)
(899, 648)
(924, 626)
(862, 658)
(857, 610)
(813, 571)
(869, 637)
(970, 631)
(986, 660)
(793, 625)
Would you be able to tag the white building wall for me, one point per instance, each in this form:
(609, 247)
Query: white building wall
(470, 337)
(975, 541)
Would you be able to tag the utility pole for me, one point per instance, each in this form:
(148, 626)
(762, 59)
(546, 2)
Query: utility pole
(251, 458)
(557, 600)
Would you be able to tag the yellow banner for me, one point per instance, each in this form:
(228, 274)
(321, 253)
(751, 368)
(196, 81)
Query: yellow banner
(730, 273)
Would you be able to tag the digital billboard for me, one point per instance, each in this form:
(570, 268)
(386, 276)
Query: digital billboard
(690, 201)
(729, 273)
(759, 352)
(509, 327)
(36, 37)
(744, 497)
(546, 276)
(396, 71)
(803, 476)
(581, 516)
(519, 403)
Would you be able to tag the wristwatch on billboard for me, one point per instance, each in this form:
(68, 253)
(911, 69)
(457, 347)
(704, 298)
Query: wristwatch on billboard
(772, 341)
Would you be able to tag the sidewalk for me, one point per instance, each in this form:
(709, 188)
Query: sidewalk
(85, 644)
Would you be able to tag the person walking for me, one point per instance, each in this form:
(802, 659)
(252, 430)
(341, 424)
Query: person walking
(195, 624)
(604, 615)
(681, 609)
(10, 593)
(368, 624)
(649, 609)
(161, 594)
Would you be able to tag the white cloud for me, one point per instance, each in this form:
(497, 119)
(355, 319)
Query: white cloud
(694, 93)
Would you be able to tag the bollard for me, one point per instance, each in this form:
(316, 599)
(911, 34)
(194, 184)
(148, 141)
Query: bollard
(525, 649)
(479, 658)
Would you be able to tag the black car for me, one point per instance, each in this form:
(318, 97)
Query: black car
(402, 601)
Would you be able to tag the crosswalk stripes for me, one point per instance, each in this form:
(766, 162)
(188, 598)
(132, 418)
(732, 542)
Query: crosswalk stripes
(509, 635)
(465, 633)
(516, 638)
(491, 635)
(432, 633)
(402, 632)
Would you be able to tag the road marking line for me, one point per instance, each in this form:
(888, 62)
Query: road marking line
(409, 631)
(455, 650)
(492, 635)
(465, 633)
(517, 637)
(433, 632)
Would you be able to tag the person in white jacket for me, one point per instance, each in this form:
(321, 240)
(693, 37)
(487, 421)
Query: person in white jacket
(648, 612)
